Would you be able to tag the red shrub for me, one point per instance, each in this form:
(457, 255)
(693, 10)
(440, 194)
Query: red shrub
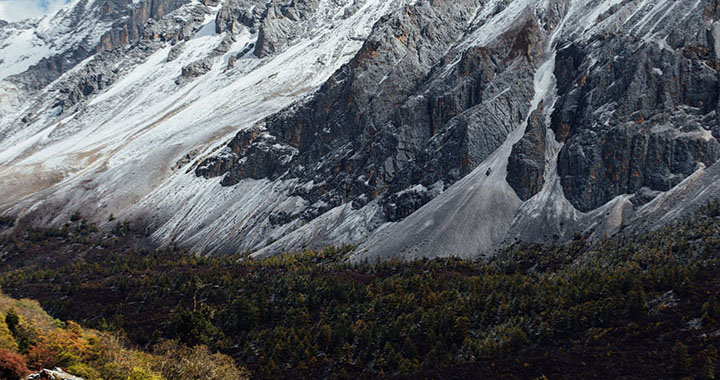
(12, 366)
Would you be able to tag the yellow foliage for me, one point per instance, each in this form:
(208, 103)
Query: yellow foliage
(7, 341)
(94, 355)
(30, 310)
(143, 374)
(63, 347)
(175, 361)
(84, 371)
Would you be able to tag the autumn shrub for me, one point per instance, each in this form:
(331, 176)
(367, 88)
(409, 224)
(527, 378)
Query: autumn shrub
(25, 320)
(139, 373)
(84, 371)
(63, 348)
(95, 355)
(175, 361)
(12, 366)
(26, 335)
(33, 314)
(7, 340)
(12, 320)
(116, 360)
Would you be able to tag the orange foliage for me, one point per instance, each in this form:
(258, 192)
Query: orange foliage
(62, 347)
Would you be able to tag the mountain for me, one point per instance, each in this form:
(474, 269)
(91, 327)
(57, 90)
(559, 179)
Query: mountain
(408, 128)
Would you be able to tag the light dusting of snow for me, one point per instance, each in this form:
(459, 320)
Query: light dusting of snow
(121, 150)
(472, 216)
(25, 43)
(123, 144)
(498, 24)
(208, 28)
(716, 38)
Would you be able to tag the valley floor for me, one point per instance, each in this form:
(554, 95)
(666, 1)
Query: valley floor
(640, 307)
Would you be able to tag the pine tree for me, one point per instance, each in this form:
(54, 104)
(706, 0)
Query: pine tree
(681, 359)
(710, 361)
(710, 311)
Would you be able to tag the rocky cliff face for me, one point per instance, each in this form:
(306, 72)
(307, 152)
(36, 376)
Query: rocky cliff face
(93, 27)
(637, 107)
(415, 128)
(401, 114)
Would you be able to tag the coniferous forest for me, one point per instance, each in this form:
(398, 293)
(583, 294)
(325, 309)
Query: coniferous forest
(642, 305)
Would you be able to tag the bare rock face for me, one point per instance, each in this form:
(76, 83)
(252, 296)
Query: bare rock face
(238, 14)
(636, 115)
(175, 28)
(194, 70)
(258, 152)
(125, 20)
(99, 74)
(103, 68)
(413, 113)
(526, 164)
(400, 115)
(277, 23)
(276, 28)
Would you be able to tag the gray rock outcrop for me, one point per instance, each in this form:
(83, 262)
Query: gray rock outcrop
(636, 113)
(401, 114)
(526, 164)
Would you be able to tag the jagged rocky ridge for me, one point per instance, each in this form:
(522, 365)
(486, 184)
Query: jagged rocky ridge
(414, 128)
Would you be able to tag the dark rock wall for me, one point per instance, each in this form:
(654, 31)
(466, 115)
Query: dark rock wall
(526, 164)
(403, 112)
(633, 112)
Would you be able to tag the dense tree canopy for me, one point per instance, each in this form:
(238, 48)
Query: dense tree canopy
(314, 314)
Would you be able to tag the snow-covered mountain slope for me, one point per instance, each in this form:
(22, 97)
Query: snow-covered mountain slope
(119, 146)
(410, 128)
